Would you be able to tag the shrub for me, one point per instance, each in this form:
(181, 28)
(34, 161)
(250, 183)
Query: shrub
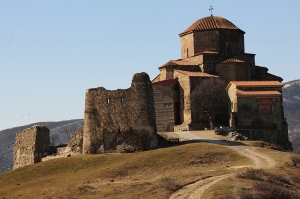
(295, 159)
(266, 190)
(278, 179)
(227, 197)
(295, 177)
(209, 158)
(167, 183)
(252, 174)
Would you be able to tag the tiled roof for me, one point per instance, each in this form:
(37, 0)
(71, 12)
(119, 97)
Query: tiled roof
(232, 60)
(195, 74)
(240, 93)
(261, 68)
(209, 23)
(177, 63)
(167, 81)
(257, 83)
(268, 76)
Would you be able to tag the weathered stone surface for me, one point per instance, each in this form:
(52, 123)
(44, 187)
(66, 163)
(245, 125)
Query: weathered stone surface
(31, 145)
(75, 143)
(120, 117)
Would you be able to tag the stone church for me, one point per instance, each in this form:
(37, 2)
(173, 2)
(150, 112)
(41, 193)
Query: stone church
(213, 47)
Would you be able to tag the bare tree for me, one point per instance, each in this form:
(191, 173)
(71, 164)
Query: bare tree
(209, 99)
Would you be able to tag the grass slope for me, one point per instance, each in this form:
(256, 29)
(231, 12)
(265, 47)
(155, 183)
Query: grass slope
(149, 174)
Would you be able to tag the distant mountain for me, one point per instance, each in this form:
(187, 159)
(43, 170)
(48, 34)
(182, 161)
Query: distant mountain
(59, 133)
(291, 104)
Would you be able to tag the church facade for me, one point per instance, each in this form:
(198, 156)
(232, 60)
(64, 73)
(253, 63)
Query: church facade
(213, 47)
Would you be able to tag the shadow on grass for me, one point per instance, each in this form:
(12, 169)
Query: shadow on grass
(165, 144)
(219, 142)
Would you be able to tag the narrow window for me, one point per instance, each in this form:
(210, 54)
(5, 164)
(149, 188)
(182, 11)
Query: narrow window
(107, 100)
(122, 99)
(130, 129)
(119, 131)
(187, 52)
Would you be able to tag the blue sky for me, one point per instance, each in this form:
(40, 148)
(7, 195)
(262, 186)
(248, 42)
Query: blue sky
(52, 51)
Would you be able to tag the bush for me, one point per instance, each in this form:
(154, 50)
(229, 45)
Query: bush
(295, 159)
(167, 183)
(252, 174)
(295, 177)
(278, 179)
(209, 158)
(266, 190)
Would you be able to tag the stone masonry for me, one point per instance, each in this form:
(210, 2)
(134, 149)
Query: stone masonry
(31, 145)
(121, 120)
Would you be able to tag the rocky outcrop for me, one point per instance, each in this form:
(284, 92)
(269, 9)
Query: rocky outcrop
(31, 145)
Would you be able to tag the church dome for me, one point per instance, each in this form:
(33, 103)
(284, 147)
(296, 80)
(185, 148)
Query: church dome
(210, 23)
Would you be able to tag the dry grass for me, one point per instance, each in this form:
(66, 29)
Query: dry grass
(209, 158)
(283, 175)
(149, 174)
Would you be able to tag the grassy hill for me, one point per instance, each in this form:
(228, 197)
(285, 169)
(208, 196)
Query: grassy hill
(149, 174)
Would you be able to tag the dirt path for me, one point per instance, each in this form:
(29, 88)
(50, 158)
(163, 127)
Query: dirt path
(197, 189)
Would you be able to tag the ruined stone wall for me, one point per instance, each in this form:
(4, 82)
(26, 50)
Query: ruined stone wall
(75, 143)
(121, 117)
(31, 145)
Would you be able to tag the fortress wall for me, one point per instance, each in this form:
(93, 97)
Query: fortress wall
(123, 116)
(30, 144)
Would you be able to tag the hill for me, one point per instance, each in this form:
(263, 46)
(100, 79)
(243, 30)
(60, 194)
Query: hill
(7, 138)
(153, 174)
(291, 104)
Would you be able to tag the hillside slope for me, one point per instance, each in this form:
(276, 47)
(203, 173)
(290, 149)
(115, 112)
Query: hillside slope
(149, 174)
(291, 104)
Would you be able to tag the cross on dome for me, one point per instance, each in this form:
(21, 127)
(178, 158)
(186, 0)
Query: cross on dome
(211, 9)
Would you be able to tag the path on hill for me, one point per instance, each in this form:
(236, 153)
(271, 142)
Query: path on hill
(197, 189)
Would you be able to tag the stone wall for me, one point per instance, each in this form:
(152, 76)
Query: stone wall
(123, 117)
(31, 145)
(233, 71)
(166, 105)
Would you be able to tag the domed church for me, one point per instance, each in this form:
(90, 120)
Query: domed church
(213, 47)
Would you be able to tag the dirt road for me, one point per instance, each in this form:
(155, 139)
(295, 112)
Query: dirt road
(197, 189)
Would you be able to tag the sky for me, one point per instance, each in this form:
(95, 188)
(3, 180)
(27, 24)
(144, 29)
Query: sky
(52, 51)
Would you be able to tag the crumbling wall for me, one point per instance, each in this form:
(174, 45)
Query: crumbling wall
(31, 145)
(123, 117)
(75, 143)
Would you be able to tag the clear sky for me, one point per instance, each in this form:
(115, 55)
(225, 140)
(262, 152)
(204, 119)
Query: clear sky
(51, 51)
